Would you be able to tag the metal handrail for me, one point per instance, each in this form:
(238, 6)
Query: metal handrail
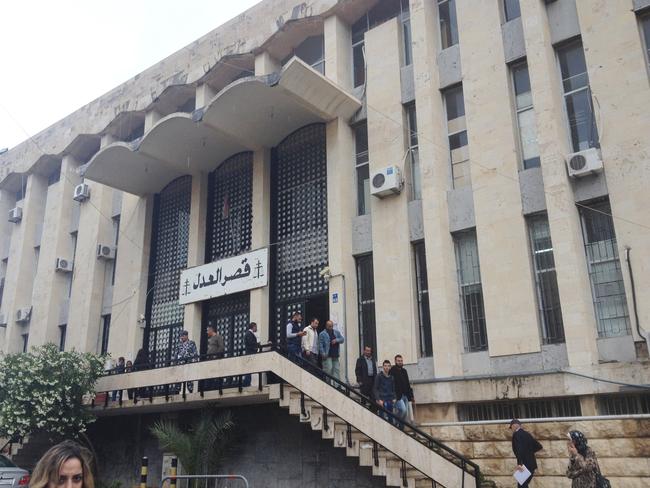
(203, 476)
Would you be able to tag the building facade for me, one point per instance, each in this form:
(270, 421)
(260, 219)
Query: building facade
(508, 257)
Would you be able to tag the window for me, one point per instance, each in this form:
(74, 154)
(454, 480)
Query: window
(37, 255)
(645, 36)
(422, 289)
(366, 297)
(380, 13)
(25, 341)
(548, 296)
(457, 133)
(73, 236)
(363, 168)
(3, 273)
(627, 404)
(471, 292)
(534, 408)
(525, 116)
(106, 328)
(116, 235)
(20, 194)
(62, 332)
(511, 10)
(607, 288)
(312, 52)
(577, 97)
(54, 176)
(414, 155)
(448, 23)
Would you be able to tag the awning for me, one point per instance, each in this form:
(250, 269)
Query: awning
(248, 114)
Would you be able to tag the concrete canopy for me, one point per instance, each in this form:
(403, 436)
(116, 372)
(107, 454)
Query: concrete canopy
(248, 114)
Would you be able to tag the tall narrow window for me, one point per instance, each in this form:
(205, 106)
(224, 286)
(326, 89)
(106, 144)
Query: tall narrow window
(366, 294)
(116, 237)
(106, 329)
(645, 36)
(422, 287)
(25, 341)
(457, 133)
(525, 116)
(73, 236)
(448, 23)
(511, 10)
(548, 296)
(414, 155)
(471, 291)
(62, 333)
(607, 287)
(577, 96)
(384, 10)
(3, 274)
(363, 168)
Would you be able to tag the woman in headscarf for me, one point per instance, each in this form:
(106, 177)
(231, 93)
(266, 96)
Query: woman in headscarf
(583, 466)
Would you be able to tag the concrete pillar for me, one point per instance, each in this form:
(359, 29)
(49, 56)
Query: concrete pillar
(261, 233)
(51, 287)
(393, 267)
(564, 221)
(204, 93)
(196, 249)
(623, 128)
(434, 161)
(588, 406)
(131, 276)
(265, 64)
(508, 286)
(7, 202)
(338, 52)
(150, 118)
(21, 269)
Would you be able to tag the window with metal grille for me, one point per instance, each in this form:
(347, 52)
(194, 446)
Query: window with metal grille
(577, 96)
(448, 23)
(362, 167)
(548, 295)
(524, 409)
(366, 302)
(607, 287)
(511, 10)
(414, 155)
(457, 135)
(628, 404)
(312, 52)
(422, 290)
(380, 13)
(526, 122)
(471, 291)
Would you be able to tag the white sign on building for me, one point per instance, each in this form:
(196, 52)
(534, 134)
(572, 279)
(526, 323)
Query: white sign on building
(232, 275)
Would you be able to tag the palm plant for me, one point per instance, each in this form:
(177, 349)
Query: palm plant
(202, 447)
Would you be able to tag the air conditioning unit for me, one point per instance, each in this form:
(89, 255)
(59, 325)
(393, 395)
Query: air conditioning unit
(3, 320)
(81, 192)
(106, 252)
(63, 265)
(584, 162)
(387, 181)
(23, 314)
(15, 215)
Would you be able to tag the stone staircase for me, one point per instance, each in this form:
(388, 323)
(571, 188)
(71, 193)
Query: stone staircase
(26, 454)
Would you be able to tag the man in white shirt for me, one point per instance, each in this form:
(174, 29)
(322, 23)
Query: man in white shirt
(310, 342)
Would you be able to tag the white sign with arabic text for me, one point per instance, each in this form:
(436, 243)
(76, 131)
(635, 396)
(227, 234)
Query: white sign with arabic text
(232, 275)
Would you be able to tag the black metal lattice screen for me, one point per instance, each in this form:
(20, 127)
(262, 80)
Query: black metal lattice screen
(230, 315)
(230, 207)
(170, 238)
(299, 229)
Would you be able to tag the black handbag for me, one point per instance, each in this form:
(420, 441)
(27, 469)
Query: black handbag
(602, 482)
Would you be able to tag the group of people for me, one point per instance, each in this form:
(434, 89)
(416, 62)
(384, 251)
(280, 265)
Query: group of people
(583, 468)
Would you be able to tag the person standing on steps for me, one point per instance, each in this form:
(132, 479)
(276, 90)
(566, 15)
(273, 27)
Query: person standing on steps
(250, 347)
(328, 347)
(187, 352)
(384, 388)
(403, 390)
(310, 342)
(295, 334)
(524, 447)
(365, 371)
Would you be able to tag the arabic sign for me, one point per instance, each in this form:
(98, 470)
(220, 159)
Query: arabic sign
(232, 275)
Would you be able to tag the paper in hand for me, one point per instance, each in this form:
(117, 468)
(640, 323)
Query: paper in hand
(522, 476)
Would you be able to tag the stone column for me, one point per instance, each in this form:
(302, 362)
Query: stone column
(564, 220)
(338, 52)
(204, 93)
(392, 256)
(265, 64)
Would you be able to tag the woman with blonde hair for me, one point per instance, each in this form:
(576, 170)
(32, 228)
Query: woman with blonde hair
(66, 465)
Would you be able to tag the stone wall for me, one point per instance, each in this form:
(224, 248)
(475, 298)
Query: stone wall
(622, 447)
(273, 450)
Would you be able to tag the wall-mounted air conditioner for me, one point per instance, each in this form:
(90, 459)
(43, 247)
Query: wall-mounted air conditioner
(584, 162)
(81, 192)
(106, 252)
(387, 181)
(23, 314)
(15, 215)
(63, 265)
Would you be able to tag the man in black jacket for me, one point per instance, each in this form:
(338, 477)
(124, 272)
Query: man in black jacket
(366, 371)
(524, 446)
(250, 347)
(403, 390)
